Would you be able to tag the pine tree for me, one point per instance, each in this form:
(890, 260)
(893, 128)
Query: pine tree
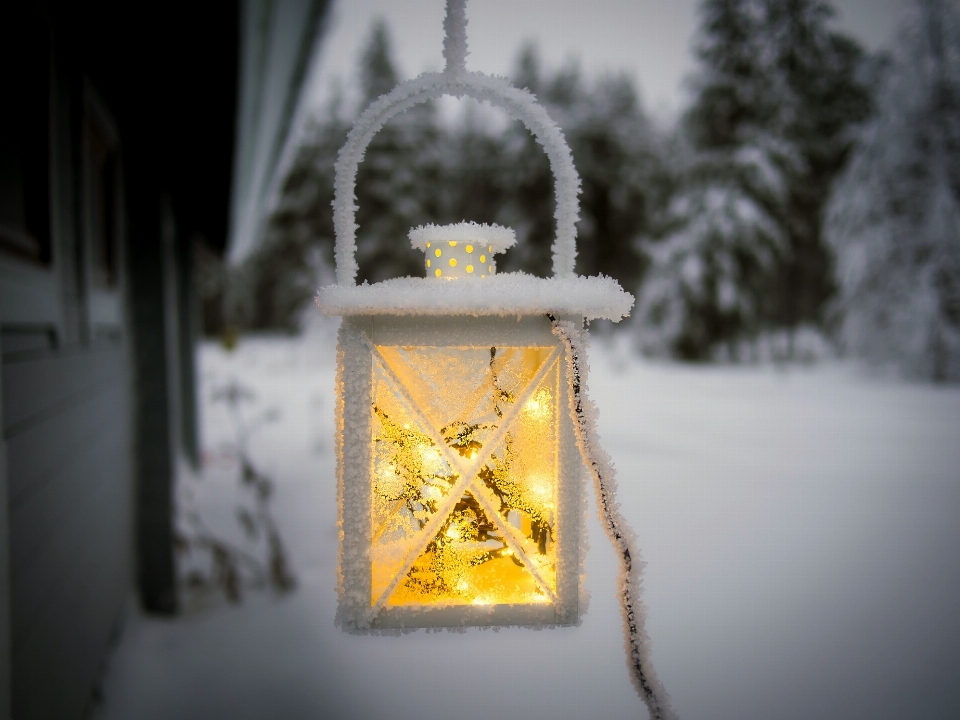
(623, 181)
(894, 220)
(712, 280)
(825, 99)
(776, 98)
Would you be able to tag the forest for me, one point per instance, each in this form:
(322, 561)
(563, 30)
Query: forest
(805, 204)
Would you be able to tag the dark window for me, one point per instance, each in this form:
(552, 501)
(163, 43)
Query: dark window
(24, 134)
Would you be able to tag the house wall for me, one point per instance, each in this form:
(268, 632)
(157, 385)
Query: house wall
(67, 393)
(96, 346)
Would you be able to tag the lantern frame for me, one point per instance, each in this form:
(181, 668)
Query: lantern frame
(359, 341)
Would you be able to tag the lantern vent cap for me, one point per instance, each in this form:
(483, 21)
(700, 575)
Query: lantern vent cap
(496, 237)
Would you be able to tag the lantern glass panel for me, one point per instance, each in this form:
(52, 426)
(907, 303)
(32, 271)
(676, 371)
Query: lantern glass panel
(474, 521)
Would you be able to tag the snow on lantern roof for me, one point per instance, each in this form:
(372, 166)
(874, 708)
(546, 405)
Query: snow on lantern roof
(504, 295)
(496, 237)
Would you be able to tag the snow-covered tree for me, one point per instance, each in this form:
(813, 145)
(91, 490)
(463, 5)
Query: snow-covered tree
(894, 220)
(616, 149)
(776, 97)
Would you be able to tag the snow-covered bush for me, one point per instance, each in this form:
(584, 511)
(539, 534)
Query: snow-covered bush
(894, 221)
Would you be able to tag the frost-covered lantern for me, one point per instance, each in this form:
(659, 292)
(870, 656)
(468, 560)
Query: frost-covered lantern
(461, 435)
(463, 427)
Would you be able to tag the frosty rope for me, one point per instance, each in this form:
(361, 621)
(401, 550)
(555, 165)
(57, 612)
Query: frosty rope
(582, 414)
(456, 81)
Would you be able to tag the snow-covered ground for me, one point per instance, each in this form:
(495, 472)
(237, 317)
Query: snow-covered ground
(801, 528)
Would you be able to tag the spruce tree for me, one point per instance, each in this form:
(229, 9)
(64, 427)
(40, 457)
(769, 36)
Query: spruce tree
(776, 98)
(894, 219)
(615, 150)
(820, 73)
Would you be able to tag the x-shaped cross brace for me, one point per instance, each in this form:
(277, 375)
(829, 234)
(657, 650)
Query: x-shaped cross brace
(468, 473)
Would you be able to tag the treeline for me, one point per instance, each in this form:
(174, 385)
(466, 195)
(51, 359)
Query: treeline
(790, 197)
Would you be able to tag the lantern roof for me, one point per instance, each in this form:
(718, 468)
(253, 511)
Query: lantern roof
(506, 295)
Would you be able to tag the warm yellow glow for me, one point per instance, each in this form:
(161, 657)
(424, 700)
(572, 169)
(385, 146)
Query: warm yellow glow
(428, 246)
(540, 405)
(483, 258)
(494, 541)
(437, 252)
(437, 272)
(540, 489)
(453, 243)
(469, 268)
(453, 262)
(469, 248)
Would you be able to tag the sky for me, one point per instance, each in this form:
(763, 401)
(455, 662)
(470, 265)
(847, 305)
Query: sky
(649, 38)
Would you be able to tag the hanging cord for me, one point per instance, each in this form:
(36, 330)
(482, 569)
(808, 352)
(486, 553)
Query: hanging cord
(583, 415)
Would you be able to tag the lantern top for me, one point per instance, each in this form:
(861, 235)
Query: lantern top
(504, 295)
(496, 237)
(508, 294)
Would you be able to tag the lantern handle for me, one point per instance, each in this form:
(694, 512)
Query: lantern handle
(456, 81)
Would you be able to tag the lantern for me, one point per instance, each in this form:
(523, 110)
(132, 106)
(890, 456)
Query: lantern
(462, 423)
(459, 464)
